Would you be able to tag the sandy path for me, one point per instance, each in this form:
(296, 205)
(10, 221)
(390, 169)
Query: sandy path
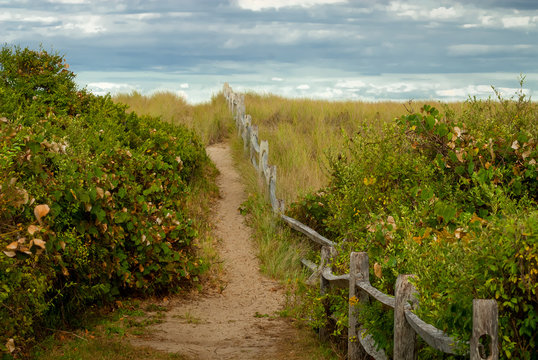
(229, 325)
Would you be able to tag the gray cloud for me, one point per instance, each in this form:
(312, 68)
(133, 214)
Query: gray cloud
(327, 42)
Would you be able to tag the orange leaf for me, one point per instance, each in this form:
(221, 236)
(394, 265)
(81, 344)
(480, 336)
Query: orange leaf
(10, 345)
(378, 270)
(40, 211)
(38, 242)
(13, 246)
(32, 229)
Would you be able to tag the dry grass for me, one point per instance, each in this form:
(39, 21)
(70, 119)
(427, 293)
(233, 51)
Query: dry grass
(302, 131)
(211, 121)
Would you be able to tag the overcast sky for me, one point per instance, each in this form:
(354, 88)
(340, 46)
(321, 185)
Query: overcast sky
(333, 49)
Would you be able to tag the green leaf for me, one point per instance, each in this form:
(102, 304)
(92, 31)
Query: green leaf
(470, 167)
(442, 130)
(430, 122)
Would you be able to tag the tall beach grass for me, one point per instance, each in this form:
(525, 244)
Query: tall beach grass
(301, 132)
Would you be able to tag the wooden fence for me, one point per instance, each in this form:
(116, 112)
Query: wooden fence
(484, 340)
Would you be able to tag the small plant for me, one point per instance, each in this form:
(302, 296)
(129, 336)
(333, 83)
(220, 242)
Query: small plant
(190, 318)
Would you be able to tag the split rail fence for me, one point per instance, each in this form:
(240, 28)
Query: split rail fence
(484, 340)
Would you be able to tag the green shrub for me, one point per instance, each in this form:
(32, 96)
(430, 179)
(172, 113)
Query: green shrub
(452, 200)
(92, 200)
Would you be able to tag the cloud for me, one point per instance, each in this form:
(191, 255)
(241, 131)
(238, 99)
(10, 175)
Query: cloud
(87, 24)
(184, 86)
(350, 84)
(391, 49)
(303, 87)
(444, 13)
(423, 12)
(518, 22)
(103, 88)
(480, 91)
(259, 5)
(67, 1)
(480, 49)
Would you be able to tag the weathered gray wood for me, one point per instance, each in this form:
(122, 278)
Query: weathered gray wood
(254, 146)
(310, 233)
(276, 204)
(358, 270)
(264, 156)
(376, 294)
(327, 252)
(433, 336)
(404, 335)
(309, 264)
(245, 133)
(319, 269)
(241, 106)
(336, 281)
(485, 324)
(266, 172)
(353, 348)
(368, 344)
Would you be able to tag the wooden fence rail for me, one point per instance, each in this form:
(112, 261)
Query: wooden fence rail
(407, 325)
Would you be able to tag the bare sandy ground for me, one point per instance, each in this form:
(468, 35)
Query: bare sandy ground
(239, 322)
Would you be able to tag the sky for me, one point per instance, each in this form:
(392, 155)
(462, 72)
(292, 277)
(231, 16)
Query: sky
(330, 49)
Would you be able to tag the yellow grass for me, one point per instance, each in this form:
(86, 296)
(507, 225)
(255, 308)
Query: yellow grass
(302, 131)
(211, 121)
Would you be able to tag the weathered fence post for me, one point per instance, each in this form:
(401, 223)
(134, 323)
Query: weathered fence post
(246, 132)
(326, 254)
(484, 341)
(358, 271)
(254, 147)
(404, 335)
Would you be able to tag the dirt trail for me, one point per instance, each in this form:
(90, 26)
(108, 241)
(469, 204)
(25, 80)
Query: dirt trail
(238, 323)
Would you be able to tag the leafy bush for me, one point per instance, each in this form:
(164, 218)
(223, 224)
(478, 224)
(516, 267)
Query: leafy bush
(452, 200)
(92, 200)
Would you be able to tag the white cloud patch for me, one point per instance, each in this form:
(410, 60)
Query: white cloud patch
(444, 13)
(303, 87)
(103, 88)
(184, 86)
(30, 17)
(422, 12)
(499, 20)
(517, 22)
(87, 24)
(328, 93)
(259, 5)
(394, 88)
(277, 79)
(76, 2)
(350, 84)
(479, 49)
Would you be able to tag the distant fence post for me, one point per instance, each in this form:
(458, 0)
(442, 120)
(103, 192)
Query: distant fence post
(246, 131)
(404, 335)
(254, 147)
(485, 338)
(258, 152)
(358, 271)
